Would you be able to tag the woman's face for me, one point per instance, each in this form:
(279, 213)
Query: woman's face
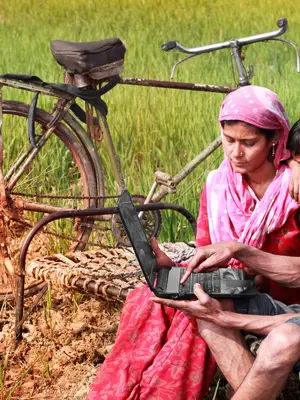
(246, 149)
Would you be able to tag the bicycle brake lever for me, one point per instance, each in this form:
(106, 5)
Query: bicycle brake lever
(295, 48)
(179, 62)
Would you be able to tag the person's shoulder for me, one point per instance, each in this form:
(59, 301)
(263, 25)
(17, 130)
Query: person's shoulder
(219, 172)
(210, 175)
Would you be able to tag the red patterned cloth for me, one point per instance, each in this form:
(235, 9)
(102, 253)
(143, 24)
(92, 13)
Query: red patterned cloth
(158, 355)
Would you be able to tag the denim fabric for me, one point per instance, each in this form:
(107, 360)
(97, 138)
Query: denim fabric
(294, 320)
(263, 304)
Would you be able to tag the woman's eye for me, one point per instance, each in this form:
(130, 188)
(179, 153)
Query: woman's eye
(229, 140)
(249, 144)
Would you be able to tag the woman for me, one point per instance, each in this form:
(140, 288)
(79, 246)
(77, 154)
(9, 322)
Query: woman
(157, 354)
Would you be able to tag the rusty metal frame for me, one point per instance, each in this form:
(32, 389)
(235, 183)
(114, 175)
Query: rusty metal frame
(198, 87)
(113, 157)
(76, 214)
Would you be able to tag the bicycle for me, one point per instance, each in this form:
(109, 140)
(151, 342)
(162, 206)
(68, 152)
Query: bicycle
(83, 176)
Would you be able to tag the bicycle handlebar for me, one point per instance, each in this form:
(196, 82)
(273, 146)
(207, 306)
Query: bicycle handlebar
(282, 23)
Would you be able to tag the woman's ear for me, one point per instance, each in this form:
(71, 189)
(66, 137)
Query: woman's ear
(273, 145)
(275, 139)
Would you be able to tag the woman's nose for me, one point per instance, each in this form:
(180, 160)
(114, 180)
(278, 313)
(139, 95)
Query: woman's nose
(237, 150)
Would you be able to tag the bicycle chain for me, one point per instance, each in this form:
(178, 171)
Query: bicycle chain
(44, 196)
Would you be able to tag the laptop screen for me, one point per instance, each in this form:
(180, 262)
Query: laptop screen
(137, 237)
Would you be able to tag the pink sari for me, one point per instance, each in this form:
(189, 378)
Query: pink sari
(158, 354)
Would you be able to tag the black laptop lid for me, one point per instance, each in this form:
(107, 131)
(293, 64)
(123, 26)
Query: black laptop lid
(137, 237)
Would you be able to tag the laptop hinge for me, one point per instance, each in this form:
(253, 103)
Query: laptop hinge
(162, 279)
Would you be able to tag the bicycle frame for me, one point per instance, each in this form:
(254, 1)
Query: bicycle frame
(82, 135)
(168, 184)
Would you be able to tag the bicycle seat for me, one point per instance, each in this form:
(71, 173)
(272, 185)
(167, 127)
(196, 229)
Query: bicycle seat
(99, 59)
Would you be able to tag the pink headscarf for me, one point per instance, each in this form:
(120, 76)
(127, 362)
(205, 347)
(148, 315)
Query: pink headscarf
(260, 107)
(234, 212)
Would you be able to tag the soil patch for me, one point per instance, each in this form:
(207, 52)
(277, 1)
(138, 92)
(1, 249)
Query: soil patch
(64, 342)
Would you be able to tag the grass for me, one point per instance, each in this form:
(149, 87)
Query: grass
(155, 128)
(152, 128)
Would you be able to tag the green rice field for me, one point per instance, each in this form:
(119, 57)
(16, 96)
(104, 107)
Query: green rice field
(156, 128)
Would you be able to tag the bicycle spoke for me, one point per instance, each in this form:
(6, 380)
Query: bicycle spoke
(54, 176)
(18, 163)
(29, 160)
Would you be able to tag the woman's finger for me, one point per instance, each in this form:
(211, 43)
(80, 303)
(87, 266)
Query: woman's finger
(217, 260)
(154, 245)
(200, 293)
(163, 260)
(168, 302)
(195, 261)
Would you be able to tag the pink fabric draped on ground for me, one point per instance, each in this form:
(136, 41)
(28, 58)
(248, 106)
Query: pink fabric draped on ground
(158, 356)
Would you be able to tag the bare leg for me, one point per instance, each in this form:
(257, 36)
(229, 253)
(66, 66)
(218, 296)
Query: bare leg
(228, 348)
(277, 355)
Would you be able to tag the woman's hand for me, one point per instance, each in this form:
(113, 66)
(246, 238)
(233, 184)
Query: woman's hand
(210, 258)
(162, 259)
(294, 185)
(205, 308)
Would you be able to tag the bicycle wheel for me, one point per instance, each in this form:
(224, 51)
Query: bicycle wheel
(151, 221)
(60, 175)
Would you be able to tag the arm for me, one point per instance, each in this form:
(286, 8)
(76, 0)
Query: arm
(281, 269)
(294, 185)
(210, 310)
(252, 323)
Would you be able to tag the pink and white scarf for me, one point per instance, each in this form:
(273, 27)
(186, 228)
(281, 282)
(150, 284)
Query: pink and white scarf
(234, 212)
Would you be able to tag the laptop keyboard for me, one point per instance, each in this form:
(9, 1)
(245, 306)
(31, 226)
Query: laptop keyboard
(209, 281)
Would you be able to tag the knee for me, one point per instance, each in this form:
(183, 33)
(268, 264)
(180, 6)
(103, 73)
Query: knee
(281, 348)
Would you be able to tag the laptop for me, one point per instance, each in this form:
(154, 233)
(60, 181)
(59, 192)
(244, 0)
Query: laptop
(165, 282)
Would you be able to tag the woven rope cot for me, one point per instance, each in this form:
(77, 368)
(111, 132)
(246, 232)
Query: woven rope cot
(108, 273)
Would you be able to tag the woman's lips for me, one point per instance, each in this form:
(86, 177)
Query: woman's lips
(239, 163)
